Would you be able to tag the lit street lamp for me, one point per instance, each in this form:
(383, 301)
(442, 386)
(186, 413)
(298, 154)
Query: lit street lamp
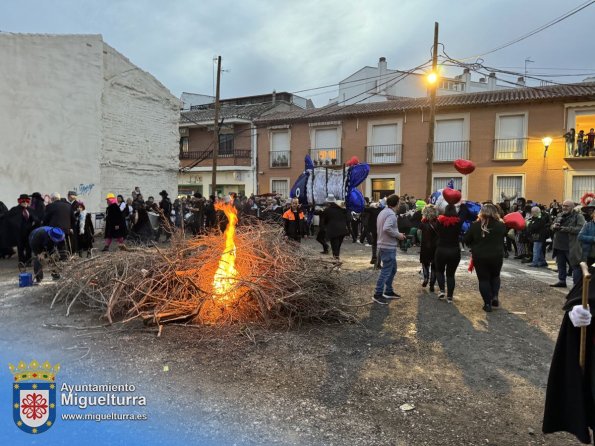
(547, 141)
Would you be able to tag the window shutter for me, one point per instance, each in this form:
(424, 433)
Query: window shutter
(581, 184)
(383, 135)
(449, 130)
(280, 141)
(326, 138)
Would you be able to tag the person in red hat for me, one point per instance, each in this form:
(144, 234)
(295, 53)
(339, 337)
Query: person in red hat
(21, 223)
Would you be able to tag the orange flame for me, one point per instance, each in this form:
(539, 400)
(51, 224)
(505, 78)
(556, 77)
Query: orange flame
(226, 273)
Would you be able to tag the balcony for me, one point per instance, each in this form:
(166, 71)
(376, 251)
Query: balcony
(447, 151)
(326, 157)
(384, 154)
(226, 157)
(510, 149)
(279, 158)
(208, 154)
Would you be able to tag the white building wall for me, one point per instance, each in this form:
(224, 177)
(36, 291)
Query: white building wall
(50, 110)
(140, 130)
(76, 114)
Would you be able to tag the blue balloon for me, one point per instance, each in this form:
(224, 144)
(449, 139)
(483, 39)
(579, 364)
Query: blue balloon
(357, 174)
(473, 209)
(308, 162)
(299, 188)
(465, 227)
(355, 201)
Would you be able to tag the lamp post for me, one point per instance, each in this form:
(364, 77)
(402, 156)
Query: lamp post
(547, 141)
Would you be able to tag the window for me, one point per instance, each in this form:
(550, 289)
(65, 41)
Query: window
(280, 187)
(280, 150)
(382, 187)
(511, 137)
(184, 144)
(508, 186)
(226, 144)
(579, 119)
(450, 141)
(581, 184)
(326, 146)
(442, 182)
(384, 147)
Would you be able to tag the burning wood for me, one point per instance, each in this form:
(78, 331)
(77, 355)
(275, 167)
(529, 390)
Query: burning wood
(249, 274)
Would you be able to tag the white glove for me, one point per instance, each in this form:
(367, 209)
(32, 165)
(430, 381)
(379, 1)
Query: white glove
(579, 316)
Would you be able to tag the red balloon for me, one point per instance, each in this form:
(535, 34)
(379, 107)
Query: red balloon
(515, 220)
(452, 196)
(464, 166)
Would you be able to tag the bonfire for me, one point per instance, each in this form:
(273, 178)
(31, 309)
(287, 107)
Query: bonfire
(250, 273)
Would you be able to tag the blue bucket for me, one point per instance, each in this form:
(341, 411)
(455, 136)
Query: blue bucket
(25, 279)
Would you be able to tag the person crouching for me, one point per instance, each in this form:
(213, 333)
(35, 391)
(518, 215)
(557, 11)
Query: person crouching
(44, 239)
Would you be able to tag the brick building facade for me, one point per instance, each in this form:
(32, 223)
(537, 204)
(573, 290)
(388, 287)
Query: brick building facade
(501, 131)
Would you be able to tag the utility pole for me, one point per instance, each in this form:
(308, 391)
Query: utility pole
(216, 131)
(433, 81)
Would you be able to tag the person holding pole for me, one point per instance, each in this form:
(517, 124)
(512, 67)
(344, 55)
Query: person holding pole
(570, 394)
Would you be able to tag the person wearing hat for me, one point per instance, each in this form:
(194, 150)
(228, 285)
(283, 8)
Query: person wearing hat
(21, 222)
(115, 223)
(37, 205)
(586, 237)
(335, 222)
(44, 239)
(164, 222)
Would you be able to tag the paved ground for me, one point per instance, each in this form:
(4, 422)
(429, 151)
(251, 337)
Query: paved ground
(471, 378)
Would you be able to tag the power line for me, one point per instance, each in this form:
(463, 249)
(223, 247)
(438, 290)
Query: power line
(536, 30)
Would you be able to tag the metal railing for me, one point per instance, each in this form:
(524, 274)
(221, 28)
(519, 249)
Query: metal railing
(384, 154)
(279, 158)
(326, 157)
(205, 154)
(510, 149)
(450, 150)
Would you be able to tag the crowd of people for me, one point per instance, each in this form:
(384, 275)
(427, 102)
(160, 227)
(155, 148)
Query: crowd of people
(562, 228)
(581, 143)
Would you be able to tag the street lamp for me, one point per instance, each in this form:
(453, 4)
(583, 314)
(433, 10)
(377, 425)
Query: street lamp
(432, 78)
(547, 141)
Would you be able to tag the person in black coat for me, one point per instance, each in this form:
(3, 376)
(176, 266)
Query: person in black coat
(21, 222)
(44, 240)
(60, 214)
(570, 394)
(164, 221)
(429, 241)
(448, 253)
(115, 223)
(335, 221)
(6, 239)
(37, 205)
(142, 231)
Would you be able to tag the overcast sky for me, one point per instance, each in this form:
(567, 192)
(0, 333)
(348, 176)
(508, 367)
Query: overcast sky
(294, 45)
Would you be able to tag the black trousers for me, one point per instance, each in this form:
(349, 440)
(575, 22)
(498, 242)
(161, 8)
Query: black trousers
(23, 248)
(447, 259)
(321, 238)
(354, 230)
(429, 271)
(336, 245)
(488, 274)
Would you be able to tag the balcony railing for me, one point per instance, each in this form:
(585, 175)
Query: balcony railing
(510, 149)
(326, 157)
(280, 158)
(450, 151)
(384, 154)
(208, 154)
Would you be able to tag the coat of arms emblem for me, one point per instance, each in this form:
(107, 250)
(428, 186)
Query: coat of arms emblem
(34, 396)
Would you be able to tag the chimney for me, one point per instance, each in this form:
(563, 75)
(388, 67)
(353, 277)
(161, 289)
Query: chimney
(492, 82)
(274, 96)
(520, 81)
(382, 68)
(466, 77)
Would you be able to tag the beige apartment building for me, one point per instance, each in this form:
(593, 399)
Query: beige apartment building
(501, 131)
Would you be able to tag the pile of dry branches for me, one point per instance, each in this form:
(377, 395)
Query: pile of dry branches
(277, 282)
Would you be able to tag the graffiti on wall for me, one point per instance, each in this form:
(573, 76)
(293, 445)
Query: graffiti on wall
(84, 189)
